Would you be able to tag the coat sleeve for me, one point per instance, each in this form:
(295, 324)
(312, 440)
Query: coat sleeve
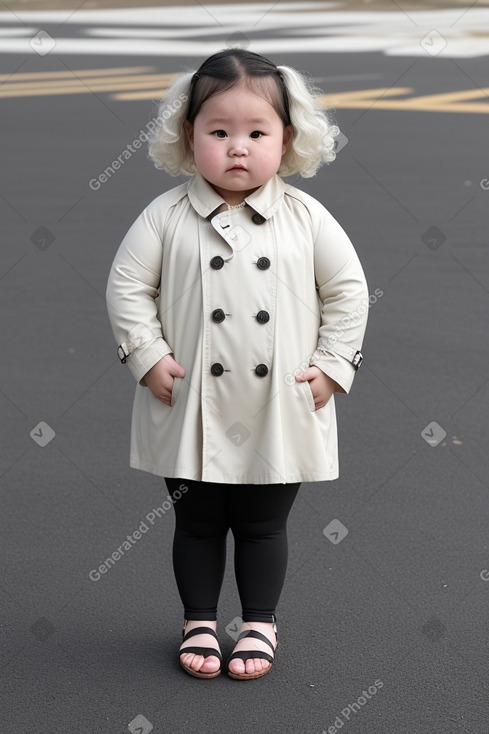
(132, 288)
(343, 293)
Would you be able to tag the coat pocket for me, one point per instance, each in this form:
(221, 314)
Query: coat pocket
(177, 384)
(307, 392)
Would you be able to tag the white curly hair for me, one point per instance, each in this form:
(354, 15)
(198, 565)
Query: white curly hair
(297, 101)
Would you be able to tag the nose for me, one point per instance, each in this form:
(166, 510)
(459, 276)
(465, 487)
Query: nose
(237, 147)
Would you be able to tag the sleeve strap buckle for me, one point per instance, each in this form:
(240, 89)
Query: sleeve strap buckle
(121, 353)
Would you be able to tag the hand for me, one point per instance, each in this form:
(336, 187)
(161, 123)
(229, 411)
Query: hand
(161, 376)
(322, 386)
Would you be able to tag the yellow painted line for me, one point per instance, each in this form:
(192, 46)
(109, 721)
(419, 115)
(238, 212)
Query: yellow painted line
(35, 75)
(63, 84)
(363, 96)
(82, 86)
(451, 96)
(141, 82)
(452, 101)
(446, 102)
(416, 104)
(132, 96)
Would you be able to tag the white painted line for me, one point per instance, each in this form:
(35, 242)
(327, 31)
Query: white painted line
(9, 32)
(169, 31)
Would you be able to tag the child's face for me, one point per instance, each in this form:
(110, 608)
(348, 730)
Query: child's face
(238, 141)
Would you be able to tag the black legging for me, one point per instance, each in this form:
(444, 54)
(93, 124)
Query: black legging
(257, 516)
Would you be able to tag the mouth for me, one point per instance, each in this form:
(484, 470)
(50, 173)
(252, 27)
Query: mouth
(237, 167)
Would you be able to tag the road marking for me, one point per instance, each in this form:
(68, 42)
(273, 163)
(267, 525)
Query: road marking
(376, 99)
(158, 83)
(80, 72)
(132, 83)
(299, 27)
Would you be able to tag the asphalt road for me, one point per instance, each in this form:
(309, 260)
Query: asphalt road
(381, 632)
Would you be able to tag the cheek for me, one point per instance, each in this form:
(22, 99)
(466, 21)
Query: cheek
(279, 146)
(279, 151)
(205, 151)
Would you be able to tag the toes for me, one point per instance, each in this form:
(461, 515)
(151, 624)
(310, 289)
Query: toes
(187, 658)
(237, 666)
(196, 663)
(210, 664)
(253, 665)
(191, 660)
(256, 665)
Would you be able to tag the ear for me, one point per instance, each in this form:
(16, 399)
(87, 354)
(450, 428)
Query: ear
(288, 135)
(189, 129)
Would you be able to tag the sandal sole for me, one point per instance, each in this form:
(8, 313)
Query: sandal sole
(198, 674)
(252, 676)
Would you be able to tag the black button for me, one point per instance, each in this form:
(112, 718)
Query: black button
(217, 369)
(217, 262)
(218, 315)
(262, 317)
(258, 219)
(261, 370)
(263, 263)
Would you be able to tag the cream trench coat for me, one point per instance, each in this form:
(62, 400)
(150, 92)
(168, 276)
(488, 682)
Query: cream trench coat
(243, 300)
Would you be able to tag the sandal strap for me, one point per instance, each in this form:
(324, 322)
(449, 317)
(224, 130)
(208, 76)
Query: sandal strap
(245, 655)
(205, 651)
(257, 635)
(199, 631)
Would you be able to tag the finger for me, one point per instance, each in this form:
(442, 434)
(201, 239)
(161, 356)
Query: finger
(175, 369)
(163, 396)
(308, 374)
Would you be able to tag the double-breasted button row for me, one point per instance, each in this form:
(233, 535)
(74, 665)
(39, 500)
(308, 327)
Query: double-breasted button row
(217, 262)
(218, 315)
(261, 370)
(263, 317)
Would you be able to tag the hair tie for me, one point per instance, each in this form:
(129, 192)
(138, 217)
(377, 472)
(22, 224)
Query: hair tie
(193, 81)
(285, 94)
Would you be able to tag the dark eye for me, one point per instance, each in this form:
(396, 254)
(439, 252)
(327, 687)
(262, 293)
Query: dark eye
(256, 134)
(219, 133)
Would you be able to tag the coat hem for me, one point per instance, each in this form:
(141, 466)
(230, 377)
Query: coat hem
(183, 473)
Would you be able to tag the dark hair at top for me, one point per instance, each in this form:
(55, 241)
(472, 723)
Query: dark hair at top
(226, 69)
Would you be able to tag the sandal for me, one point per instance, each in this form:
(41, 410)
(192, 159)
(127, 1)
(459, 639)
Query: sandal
(248, 654)
(205, 651)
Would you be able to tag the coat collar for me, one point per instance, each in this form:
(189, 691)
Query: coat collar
(265, 200)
